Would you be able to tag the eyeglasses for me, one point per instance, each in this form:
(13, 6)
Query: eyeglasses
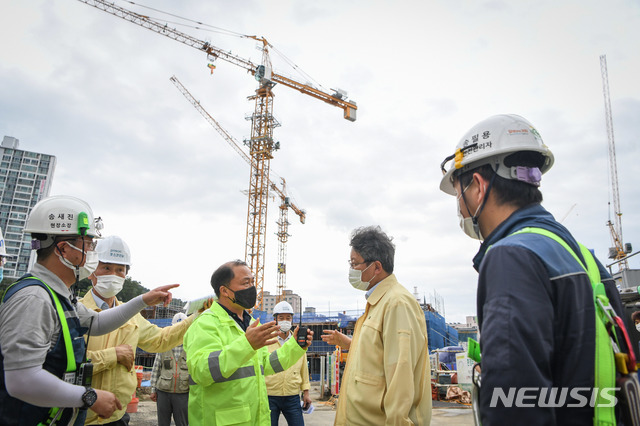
(89, 245)
(354, 264)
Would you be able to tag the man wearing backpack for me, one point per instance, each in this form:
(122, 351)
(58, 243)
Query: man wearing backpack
(535, 301)
(42, 379)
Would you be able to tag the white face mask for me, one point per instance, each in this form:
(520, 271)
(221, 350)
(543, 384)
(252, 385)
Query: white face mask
(285, 326)
(108, 285)
(90, 263)
(638, 326)
(466, 223)
(468, 227)
(355, 279)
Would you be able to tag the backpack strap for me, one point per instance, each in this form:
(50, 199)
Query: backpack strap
(605, 371)
(27, 281)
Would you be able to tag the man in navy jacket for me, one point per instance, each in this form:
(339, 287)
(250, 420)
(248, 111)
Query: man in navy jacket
(535, 301)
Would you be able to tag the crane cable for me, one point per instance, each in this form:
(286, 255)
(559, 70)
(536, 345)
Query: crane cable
(219, 30)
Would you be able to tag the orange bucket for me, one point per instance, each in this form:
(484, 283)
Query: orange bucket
(139, 373)
(132, 407)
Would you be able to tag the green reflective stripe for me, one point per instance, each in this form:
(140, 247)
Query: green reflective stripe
(66, 335)
(594, 273)
(605, 374)
(216, 372)
(53, 414)
(275, 362)
(554, 237)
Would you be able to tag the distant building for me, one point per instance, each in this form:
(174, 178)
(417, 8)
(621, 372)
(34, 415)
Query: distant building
(468, 330)
(25, 179)
(269, 301)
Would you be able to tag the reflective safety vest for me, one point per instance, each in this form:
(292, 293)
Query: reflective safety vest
(605, 366)
(227, 383)
(60, 361)
(173, 376)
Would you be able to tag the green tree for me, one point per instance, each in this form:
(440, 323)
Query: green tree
(4, 285)
(130, 289)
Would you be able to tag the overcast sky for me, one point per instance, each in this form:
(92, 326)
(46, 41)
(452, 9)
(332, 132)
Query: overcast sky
(94, 90)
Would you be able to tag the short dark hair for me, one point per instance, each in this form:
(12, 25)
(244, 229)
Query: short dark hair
(224, 274)
(635, 316)
(373, 244)
(506, 191)
(44, 253)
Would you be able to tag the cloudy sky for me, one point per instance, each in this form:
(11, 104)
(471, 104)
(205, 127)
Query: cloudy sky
(94, 91)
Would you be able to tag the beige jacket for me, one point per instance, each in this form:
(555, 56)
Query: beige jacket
(387, 379)
(291, 381)
(137, 332)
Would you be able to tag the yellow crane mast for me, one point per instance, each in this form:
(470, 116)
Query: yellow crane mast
(285, 205)
(619, 250)
(261, 144)
(283, 237)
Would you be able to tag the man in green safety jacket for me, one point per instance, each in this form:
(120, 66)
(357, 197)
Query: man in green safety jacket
(227, 354)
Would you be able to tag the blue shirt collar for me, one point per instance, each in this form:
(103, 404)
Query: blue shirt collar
(368, 293)
(99, 302)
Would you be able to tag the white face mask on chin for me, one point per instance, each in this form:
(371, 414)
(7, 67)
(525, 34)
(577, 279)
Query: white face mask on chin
(470, 228)
(638, 326)
(466, 223)
(90, 263)
(108, 285)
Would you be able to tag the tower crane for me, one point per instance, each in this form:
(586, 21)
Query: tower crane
(283, 237)
(260, 143)
(619, 250)
(285, 204)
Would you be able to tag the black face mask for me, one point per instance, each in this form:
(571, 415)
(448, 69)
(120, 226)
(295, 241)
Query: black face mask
(245, 298)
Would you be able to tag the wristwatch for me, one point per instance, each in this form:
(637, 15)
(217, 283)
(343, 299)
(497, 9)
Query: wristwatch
(89, 397)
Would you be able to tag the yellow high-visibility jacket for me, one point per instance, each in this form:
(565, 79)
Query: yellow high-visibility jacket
(114, 377)
(229, 386)
(291, 381)
(387, 379)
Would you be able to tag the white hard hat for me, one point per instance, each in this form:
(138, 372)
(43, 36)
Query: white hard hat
(178, 317)
(282, 308)
(492, 141)
(113, 249)
(61, 215)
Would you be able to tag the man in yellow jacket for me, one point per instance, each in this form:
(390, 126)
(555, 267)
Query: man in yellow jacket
(284, 388)
(113, 354)
(387, 379)
(227, 354)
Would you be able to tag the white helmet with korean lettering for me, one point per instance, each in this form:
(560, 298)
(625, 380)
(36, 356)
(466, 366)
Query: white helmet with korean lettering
(503, 142)
(60, 215)
(282, 308)
(113, 249)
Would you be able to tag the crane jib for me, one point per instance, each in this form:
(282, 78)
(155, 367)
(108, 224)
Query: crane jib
(349, 108)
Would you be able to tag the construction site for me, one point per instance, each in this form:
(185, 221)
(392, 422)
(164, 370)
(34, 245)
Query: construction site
(273, 215)
(450, 365)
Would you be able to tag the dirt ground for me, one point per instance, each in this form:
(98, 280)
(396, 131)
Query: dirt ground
(444, 413)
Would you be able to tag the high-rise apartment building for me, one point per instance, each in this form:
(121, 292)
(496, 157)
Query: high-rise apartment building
(25, 179)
